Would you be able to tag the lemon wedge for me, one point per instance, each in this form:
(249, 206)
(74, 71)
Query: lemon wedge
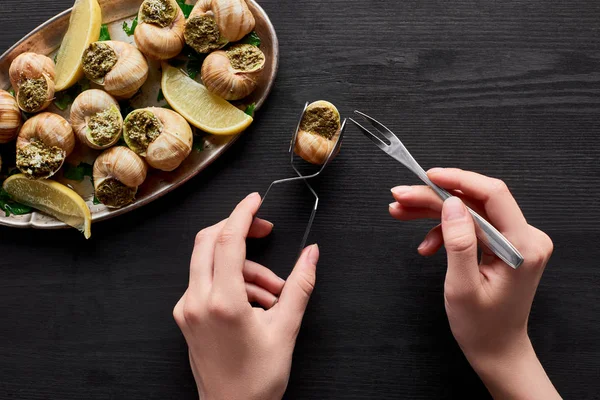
(52, 198)
(84, 28)
(200, 107)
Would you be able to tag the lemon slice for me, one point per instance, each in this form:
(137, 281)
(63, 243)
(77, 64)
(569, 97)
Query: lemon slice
(84, 28)
(200, 107)
(52, 198)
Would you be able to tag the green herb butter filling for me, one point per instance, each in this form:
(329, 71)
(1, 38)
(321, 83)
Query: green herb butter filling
(98, 60)
(322, 121)
(38, 160)
(105, 126)
(158, 12)
(113, 193)
(202, 34)
(141, 128)
(33, 93)
(245, 57)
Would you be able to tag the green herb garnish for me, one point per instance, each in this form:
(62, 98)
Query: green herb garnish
(130, 30)
(66, 97)
(77, 173)
(186, 8)
(195, 61)
(251, 38)
(161, 96)
(250, 109)
(104, 34)
(198, 144)
(11, 91)
(96, 201)
(9, 206)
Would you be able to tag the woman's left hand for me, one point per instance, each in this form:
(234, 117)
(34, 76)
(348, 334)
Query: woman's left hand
(237, 351)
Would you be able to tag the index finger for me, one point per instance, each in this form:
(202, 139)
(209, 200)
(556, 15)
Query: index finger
(230, 250)
(499, 204)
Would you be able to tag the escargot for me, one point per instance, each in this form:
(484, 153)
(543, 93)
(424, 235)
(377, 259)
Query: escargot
(10, 117)
(120, 68)
(318, 133)
(32, 77)
(118, 172)
(159, 34)
(201, 31)
(233, 73)
(96, 119)
(163, 137)
(44, 142)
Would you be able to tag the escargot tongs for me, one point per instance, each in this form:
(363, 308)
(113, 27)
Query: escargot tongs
(487, 234)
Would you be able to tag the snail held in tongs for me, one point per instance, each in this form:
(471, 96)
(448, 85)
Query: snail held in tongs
(10, 117)
(96, 119)
(43, 144)
(161, 136)
(32, 76)
(214, 23)
(318, 133)
(159, 34)
(233, 73)
(120, 68)
(118, 172)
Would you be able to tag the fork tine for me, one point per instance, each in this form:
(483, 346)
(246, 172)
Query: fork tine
(380, 143)
(379, 126)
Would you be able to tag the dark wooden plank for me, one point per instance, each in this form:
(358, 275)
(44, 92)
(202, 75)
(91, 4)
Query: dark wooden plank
(510, 89)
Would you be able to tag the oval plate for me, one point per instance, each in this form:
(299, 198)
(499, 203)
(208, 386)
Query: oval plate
(47, 38)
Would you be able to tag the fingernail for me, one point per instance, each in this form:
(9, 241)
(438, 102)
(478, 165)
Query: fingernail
(270, 223)
(400, 190)
(453, 209)
(281, 279)
(435, 170)
(394, 206)
(313, 254)
(424, 244)
(252, 195)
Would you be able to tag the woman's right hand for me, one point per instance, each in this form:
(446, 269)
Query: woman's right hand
(487, 303)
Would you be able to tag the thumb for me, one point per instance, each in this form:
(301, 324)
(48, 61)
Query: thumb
(458, 229)
(298, 288)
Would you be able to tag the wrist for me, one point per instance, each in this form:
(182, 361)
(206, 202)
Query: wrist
(515, 372)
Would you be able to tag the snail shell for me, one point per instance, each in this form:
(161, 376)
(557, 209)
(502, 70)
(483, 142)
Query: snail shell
(118, 172)
(159, 34)
(117, 66)
(233, 18)
(96, 119)
(10, 117)
(44, 142)
(233, 73)
(162, 136)
(319, 130)
(32, 76)
(201, 30)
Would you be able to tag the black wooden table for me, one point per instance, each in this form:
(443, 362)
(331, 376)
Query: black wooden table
(510, 89)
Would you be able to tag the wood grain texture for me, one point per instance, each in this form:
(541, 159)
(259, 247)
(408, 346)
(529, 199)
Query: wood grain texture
(509, 89)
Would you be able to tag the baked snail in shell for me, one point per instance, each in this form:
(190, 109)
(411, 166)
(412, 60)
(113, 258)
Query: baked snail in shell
(120, 68)
(43, 144)
(214, 23)
(201, 32)
(233, 73)
(96, 119)
(163, 137)
(159, 34)
(118, 172)
(10, 117)
(318, 133)
(32, 77)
